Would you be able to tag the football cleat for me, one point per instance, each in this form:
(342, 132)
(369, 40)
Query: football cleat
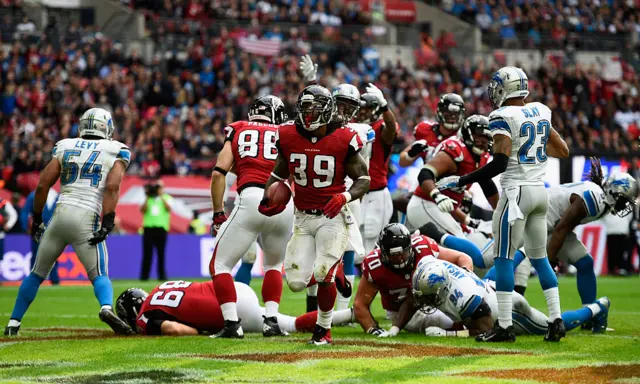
(231, 330)
(108, 317)
(312, 303)
(11, 331)
(321, 336)
(342, 284)
(599, 322)
(555, 330)
(587, 325)
(271, 328)
(497, 334)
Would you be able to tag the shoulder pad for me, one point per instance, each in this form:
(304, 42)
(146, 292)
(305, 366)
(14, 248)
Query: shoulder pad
(454, 148)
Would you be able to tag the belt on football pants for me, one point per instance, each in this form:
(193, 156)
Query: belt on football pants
(314, 212)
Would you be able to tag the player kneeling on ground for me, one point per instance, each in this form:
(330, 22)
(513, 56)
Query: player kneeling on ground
(466, 299)
(387, 269)
(183, 308)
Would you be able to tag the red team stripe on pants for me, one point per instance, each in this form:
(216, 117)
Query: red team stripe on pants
(224, 288)
(272, 286)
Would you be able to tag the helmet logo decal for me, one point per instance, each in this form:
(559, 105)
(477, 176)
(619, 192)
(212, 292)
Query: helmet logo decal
(624, 183)
(434, 279)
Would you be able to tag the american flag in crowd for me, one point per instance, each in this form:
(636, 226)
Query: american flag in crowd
(263, 47)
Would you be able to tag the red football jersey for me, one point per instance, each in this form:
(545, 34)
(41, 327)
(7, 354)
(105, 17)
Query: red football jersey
(428, 131)
(317, 164)
(394, 285)
(379, 162)
(465, 161)
(254, 151)
(192, 304)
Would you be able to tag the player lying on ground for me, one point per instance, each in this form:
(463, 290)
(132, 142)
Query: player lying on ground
(90, 169)
(466, 299)
(183, 308)
(387, 269)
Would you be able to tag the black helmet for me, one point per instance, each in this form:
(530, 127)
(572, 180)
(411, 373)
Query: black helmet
(451, 111)
(474, 127)
(315, 107)
(369, 109)
(128, 305)
(269, 109)
(395, 246)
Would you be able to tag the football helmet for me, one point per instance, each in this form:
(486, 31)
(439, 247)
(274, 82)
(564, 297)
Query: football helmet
(315, 107)
(348, 102)
(476, 134)
(450, 111)
(369, 109)
(128, 305)
(96, 122)
(507, 83)
(268, 108)
(620, 191)
(467, 202)
(430, 282)
(395, 246)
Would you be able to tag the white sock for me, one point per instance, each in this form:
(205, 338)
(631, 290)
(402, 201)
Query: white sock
(595, 309)
(343, 302)
(324, 319)
(13, 323)
(105, 307)
(287, 323)
(229, 311)
(341, 317)
(313, 290)
(553, 303)
(505, 306)
(271, 309)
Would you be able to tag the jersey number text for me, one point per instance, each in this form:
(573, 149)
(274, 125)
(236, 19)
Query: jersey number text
(323, 166)
(248, 144)
(168, 298)
(537, 141)
(89, 170)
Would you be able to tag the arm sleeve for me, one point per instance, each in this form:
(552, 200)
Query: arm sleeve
(124, 155)
(488, 172)
(58, 151)
(229, 132)
(591, 203)
(471, 306)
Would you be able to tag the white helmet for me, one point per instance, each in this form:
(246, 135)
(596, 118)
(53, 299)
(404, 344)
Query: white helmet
(96, 122)
(347, 99)
(620, 191)
(430, 282)
(507, 83)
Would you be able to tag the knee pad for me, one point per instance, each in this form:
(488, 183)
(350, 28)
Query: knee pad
(297, 286)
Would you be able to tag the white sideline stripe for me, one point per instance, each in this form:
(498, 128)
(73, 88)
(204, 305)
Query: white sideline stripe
(61, 316)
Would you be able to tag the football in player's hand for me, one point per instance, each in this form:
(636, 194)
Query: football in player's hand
(279, 193)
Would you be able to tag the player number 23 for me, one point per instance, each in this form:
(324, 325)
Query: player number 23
(323, 166)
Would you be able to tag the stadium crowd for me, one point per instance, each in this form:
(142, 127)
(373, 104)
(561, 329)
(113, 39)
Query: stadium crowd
(172, 111)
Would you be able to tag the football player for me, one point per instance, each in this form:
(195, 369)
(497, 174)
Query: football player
(250, 147)
(520, 217)
(466, 299)
(428, 134)
(184, 308)
(319, 156)
(90, 169)
(387, 269)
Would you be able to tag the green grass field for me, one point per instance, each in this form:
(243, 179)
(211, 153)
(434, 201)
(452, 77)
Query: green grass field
(62, 341)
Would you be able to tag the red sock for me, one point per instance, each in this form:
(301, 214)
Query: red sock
(272, 286)
(312, 282)
(306, 322)
(326, 296)
(224, 288)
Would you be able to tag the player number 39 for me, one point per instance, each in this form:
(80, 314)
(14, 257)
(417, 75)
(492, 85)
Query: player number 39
(323, 166)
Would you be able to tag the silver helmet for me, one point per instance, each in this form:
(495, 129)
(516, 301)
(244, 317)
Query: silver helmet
(348, 103)
(507, 83)
(96, 122)
(430, 282)
(621, 191)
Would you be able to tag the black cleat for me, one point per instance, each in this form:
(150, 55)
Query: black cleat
(587, 325)
(231, 330)
(321, 336)
(11, 331)
(107, 316)
(271, 328)
(498, 335)
(555, 330)
(312, 303)
(343, 285)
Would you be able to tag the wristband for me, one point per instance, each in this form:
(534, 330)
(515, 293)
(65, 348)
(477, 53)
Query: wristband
(434, 192)
(347, 195)
(384, 109)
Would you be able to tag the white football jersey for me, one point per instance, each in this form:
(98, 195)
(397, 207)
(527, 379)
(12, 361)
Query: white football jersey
(559, 201)
(465, 293)
(529, 128)
(85, 165)
(367, 135)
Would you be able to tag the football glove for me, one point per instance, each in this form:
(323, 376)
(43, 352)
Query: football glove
(417, 148)
(269, 210)
(333, 206)
(308, 69)
(218, 219)
(375, 91)
(378, 332)
(448, 182)
(107, 226)
(37, 226)
(445, 204)
(435, 331)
